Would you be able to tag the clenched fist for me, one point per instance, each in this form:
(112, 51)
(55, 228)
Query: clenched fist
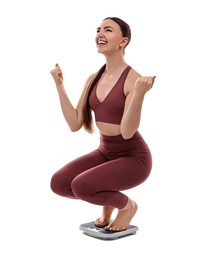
(57, 75)
(144, 84)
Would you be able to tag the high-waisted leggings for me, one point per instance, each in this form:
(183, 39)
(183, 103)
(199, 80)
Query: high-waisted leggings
(99, 177)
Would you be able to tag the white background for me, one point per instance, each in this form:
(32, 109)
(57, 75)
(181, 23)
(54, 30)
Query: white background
(170, 39)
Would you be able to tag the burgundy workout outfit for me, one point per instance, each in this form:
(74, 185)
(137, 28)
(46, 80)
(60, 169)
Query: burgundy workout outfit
(117, 164)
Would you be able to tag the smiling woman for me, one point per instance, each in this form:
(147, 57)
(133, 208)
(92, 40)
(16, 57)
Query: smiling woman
(123, 160)
(123, 29)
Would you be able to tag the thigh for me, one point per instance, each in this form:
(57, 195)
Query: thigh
(63, 177)
(116, 175)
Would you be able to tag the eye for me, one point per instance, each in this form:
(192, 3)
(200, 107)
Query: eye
(108, 30)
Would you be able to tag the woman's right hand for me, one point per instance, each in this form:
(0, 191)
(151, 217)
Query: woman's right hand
(57, 75)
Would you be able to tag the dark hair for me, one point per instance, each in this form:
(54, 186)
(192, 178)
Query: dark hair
(87, 116)
(125, 28)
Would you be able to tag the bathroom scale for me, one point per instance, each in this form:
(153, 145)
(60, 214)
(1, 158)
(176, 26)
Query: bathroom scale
(99, 232)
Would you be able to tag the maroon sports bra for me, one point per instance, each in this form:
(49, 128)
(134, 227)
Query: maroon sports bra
(110, 110)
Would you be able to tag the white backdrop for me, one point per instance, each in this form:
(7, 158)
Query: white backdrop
(172, 40)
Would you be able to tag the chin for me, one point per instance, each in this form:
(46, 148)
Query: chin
(99, 50)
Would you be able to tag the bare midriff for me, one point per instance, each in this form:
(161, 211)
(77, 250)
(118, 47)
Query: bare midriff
(108, 129)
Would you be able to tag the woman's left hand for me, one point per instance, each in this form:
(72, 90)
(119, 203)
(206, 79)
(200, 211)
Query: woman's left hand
(144, 84)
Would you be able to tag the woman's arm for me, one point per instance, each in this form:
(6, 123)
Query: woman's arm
(133, 106)
(72, 115)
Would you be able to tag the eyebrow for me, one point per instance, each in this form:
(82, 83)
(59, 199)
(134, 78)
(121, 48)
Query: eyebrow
(106, 27)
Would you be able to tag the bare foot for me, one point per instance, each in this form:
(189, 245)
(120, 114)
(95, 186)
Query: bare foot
(105, 218)
(123, 217)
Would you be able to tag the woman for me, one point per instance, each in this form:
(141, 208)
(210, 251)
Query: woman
(123, 160)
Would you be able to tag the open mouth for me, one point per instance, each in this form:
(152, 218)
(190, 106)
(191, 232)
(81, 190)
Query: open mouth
(101, 42)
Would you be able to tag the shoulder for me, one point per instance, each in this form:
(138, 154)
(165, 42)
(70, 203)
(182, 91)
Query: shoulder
(90, 77)
(132, 76)
(89, 80)
(94, 75)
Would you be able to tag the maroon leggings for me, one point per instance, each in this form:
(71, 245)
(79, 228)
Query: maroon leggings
(100, 176)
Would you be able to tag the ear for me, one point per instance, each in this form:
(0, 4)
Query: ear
(124, 42)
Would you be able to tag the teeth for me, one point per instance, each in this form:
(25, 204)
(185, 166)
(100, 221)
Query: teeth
(101, 42)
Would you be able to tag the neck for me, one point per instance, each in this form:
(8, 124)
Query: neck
(115, 63)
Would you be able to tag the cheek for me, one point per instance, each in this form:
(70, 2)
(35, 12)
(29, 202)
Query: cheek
(115, 40)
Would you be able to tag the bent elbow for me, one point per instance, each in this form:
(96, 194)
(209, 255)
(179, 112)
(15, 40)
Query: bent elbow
(75, 128)
(127, 134)
(126, 137)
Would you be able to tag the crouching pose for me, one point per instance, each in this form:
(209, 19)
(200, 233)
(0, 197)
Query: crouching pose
(122, 160)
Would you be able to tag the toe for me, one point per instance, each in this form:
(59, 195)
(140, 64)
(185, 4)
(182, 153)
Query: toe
(101, 223)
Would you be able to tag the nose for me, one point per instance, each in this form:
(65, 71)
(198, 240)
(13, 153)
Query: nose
(100, 35)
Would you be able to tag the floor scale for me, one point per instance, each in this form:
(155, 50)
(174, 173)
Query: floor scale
(99, 232)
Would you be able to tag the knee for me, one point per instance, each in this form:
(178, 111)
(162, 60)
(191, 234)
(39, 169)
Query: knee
(55, 184)
(59, 186)
(81, 188)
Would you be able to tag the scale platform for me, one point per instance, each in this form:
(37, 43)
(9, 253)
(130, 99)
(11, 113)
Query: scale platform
(99, 232)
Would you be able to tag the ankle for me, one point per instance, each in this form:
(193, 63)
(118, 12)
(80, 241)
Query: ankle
(128, 205)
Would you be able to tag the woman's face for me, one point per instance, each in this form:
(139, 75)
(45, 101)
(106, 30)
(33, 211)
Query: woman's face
(109, 37)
